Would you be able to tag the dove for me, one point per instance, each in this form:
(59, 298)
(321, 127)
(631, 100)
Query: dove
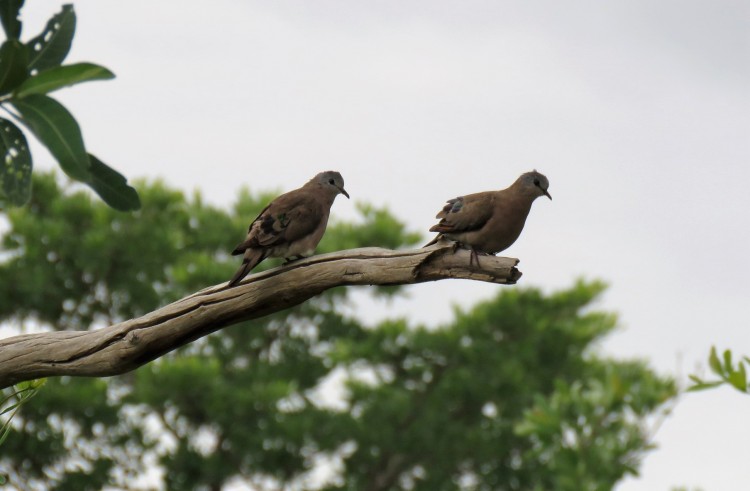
(292, 225)
(491, 221)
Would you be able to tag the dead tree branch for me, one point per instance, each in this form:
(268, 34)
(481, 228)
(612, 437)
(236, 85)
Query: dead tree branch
(125, 346)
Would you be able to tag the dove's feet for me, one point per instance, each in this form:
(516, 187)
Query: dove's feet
(474, 256)
(474, 253)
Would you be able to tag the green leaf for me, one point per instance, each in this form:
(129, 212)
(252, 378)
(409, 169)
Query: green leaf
(113, 187)
(728, 361)
(9, 16)
(714, 363)
(4, 433)
(15, 164)
(24, 386)
(56, 128)
(13, 61)
(704, 386)
(38, 383)
(695, 379)
(24, 392)
(62, 76)
(738, 380)
(51, 46)
(11, 407)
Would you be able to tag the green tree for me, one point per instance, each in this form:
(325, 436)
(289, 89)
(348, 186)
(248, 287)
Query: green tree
(28, 72)
(510, 395)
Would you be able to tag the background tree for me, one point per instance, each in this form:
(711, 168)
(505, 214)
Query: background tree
(510, 395)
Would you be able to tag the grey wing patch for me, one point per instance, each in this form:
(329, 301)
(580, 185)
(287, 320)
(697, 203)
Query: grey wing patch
(465, 213)
(456, 204)
(448, 218)
(451, 206)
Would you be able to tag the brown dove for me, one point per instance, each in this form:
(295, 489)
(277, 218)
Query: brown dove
(291, 225)
(491, 221)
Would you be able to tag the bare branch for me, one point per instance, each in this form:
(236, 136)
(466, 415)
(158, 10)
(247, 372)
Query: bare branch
(125, 346)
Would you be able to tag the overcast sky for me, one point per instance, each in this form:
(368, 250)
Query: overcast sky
(638, 112)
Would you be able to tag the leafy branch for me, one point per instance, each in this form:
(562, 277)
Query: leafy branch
(726, 370)
(29, 71)
(22, 392)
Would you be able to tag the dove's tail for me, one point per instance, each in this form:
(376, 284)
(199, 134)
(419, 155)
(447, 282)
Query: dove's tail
(249, 261)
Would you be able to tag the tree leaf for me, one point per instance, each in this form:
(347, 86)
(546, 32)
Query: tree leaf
(56, 128)
(695, 379)
(15, 164)
(11, 407)
(113, 187)
(728, 368)
(738, 381)
(38, 383)
(51, 46)
(13, 61)
(704, 386)
(9, 16)
(743, 373)
(4, 433)
(714, 363)
(62, 76)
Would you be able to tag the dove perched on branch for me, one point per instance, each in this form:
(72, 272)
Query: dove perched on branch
(291, 225)
(491, 221)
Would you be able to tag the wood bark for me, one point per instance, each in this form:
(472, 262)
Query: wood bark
(122, 347)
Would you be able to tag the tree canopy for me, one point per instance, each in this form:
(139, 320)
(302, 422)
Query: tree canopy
(511, 394)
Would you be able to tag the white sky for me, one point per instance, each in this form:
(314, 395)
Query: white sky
(638, 112)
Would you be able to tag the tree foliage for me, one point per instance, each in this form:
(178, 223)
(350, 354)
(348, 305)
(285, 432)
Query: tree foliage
(509, 395)
(29, 71)
(729, 373)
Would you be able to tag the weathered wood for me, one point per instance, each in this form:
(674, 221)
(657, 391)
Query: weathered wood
(125, 346)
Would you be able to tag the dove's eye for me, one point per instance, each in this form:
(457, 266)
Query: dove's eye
(536, 182)
(330, 181)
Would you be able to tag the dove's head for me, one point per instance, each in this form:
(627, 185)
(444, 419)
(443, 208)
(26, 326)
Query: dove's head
(331, 181)
(534, 183)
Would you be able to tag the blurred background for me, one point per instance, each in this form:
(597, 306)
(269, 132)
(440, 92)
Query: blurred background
(638, 113)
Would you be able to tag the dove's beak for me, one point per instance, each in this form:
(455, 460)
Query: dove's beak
(343, 191)
(546, 193)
